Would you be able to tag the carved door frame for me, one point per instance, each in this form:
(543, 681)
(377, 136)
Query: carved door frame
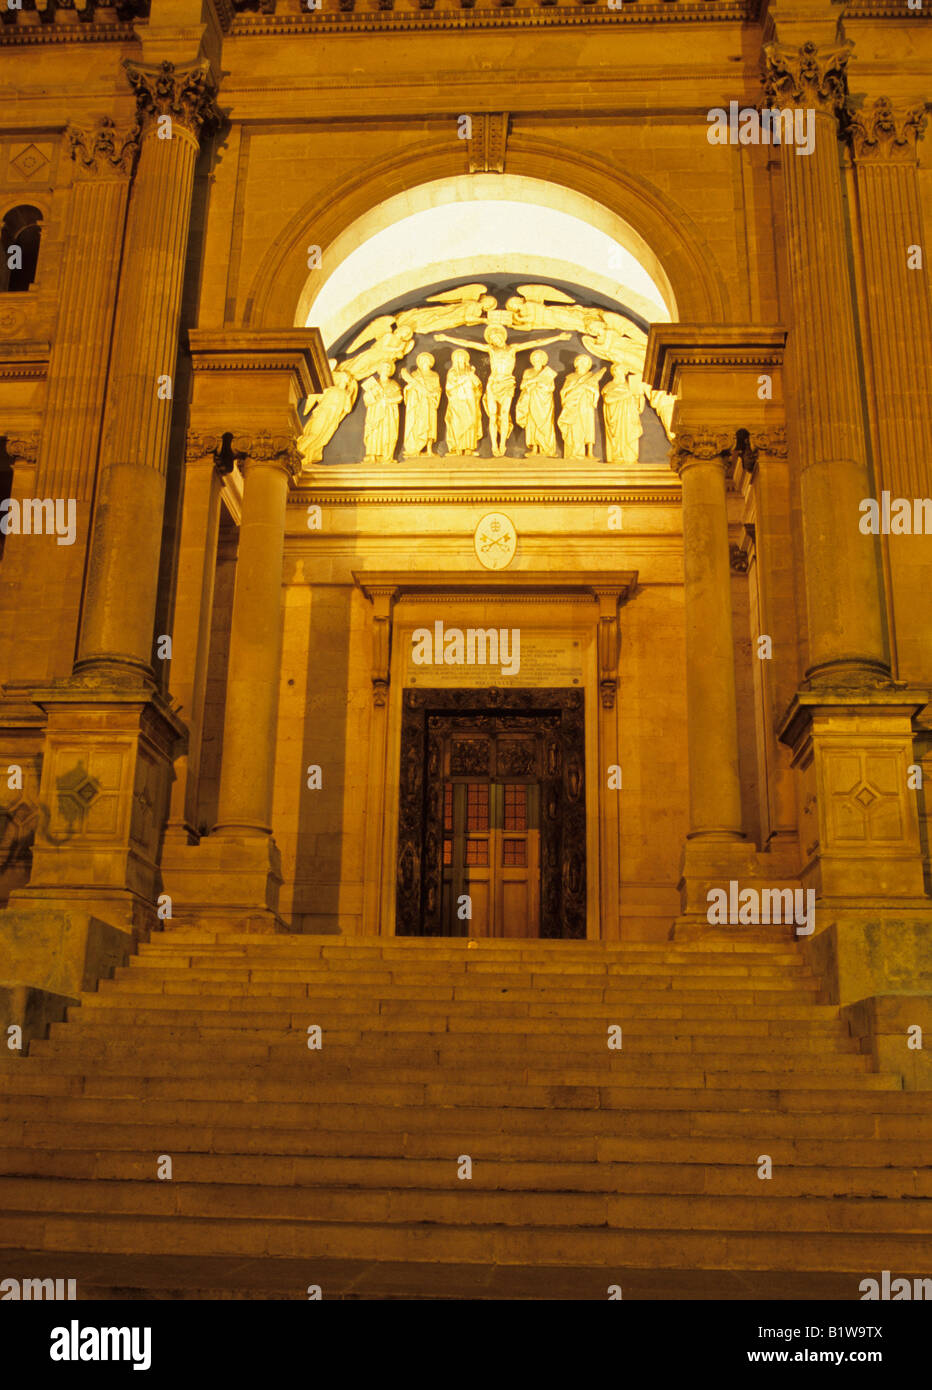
(563, 804)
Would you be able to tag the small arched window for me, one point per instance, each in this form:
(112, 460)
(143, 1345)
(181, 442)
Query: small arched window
(19, 244)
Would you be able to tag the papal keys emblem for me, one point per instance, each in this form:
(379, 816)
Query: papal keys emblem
(495, 541)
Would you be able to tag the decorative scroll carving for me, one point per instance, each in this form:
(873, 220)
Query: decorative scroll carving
(264, 447)
(199, 446)
(739, 559)
(187, 95)
(106, 149)
(427, 717)
(382, 600)
(879, 133)
(609, 636)
(24, 447)
(701, 444)
(807, 76)
(488, 143)
(771, 443)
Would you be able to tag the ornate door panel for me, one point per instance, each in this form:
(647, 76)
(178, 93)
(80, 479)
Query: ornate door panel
(493, 809)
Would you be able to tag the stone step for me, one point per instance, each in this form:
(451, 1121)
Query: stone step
(115, 1013)
(55, 1136)
(299, 1066)
(145, 988)
(698, 1033)
(487, 972)
(228, 1278)
(463, 1205)
(633, 1113)
(606, 1247)
(680, 1086)
(489, 1174)
(156, 1050)
(435, 948)
(195, 1003)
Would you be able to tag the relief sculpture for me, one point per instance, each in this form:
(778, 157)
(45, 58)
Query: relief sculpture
(409, 403)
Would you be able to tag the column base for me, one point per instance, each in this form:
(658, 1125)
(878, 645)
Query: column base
(229, 881)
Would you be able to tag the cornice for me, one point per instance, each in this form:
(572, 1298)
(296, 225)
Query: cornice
(303, 494)
(508, 17)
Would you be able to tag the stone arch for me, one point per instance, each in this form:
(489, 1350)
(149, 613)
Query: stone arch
(676, 252)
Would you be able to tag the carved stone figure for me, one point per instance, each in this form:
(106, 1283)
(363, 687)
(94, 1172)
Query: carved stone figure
(500, 387)
(329, 409)
(422, 397)
(622, 403)
(390, 345)
(382, 397)
(542, 306)
(463, 419)
(467, 304)
(534, 411)
(579, 396)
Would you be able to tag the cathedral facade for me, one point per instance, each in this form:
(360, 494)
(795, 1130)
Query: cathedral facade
(466, 475)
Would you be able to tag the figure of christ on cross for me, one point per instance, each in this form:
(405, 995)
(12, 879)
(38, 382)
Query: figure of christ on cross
(500, 387)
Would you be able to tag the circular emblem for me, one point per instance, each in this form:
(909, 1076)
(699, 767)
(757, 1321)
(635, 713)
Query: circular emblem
(495, 541)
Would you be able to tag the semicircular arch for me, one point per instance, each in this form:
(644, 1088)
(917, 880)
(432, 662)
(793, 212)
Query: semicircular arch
(657, 231)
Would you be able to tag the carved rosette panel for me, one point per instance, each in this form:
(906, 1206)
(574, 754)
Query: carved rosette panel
(879, 133)
(427, 717)
(808, 76)
(107, 150)
(187, 95)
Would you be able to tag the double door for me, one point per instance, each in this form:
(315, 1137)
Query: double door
(491, 833)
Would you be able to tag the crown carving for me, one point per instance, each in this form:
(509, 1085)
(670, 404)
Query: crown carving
(106, 149)
(880, 133)
(187, 95)
(807, 75)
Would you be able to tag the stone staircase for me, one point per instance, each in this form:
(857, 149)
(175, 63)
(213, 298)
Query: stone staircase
(341, 1166)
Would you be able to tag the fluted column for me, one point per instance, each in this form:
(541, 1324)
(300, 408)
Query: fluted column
(194, 597)
(847, 640)
(254, 669)
(712, 709)
(104, 158)
(116, 630)
(899, 334)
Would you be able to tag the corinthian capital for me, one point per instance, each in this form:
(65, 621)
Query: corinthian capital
(806, 76)
(703, 444)
(265, 447)
(24, 447)
(187, 95)
(878, 133)
(105, 150)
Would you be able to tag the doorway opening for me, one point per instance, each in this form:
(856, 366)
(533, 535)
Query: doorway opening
(492, 819)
